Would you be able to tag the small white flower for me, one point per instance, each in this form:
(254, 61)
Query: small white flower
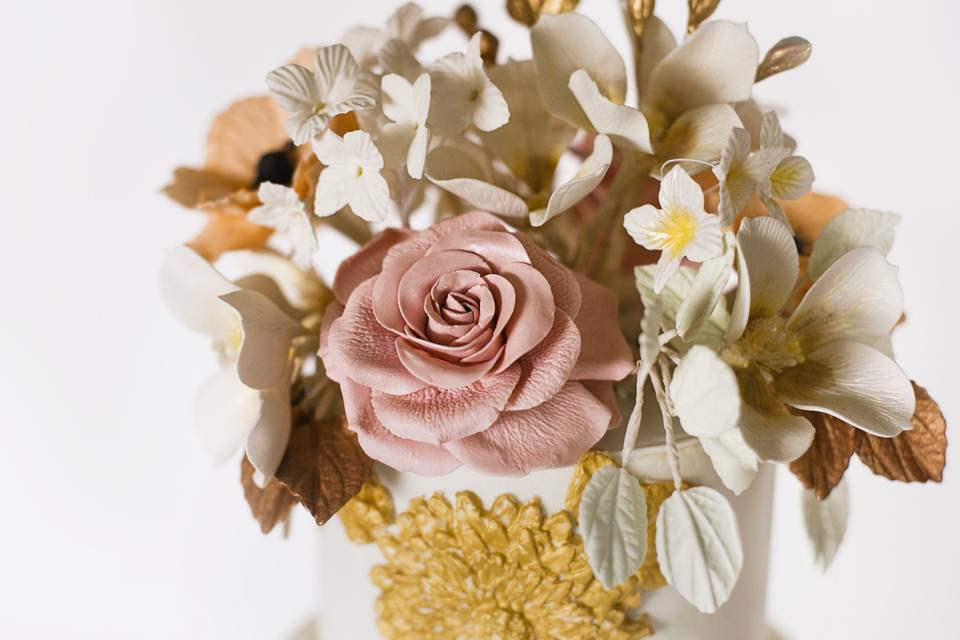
(792, 177)
(681, 229)
(313, 98)
(742, 172)
(406, 25)
(406, 138)
(463, 95)
(282, 209)
(352, 176)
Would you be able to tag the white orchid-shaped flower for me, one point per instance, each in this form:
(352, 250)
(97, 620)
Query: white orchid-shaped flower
(282, 209)
(792, 177)
(686, 93)
(680, 229)
(463, 95)
(248, 401)
(351, 177)
(407, 24)
(584, 181)
(335, 86)
(742, 172)
(406, 139)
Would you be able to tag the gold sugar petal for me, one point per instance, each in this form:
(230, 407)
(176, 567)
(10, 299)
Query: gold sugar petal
(368, 513)
(529, 11)
(699, 10)
(787, 54)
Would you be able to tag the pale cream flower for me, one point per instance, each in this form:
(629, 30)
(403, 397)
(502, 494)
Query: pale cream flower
(680, 229)
(406, 25)
(791, 178)
(351, 177)
(463, 95)
(282, 209)
(313, 98)
(742, 172)
(406, 138)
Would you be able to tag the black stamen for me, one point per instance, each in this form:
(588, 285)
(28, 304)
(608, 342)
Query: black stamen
(276, 166)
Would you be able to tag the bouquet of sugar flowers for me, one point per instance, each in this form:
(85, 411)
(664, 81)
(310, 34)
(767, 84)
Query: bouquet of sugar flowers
(532, 256)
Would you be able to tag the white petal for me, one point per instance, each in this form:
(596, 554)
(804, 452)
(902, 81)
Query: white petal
(698, 546)
(267, 332)
(699, 134)
(462, 95)
(398, 102)
(364, 44)
(716, 64)
(270, 193)
(858, 298)
(792, 179)
(703, 297)
(454, 171)
(855, 383)
(396, 57)
(740, 312)
(736, 186)
(643, 224)
(772, 262)
(191, 288)
(707, 242)
(667, 266)
(705, 394)
(491, 111)
(293, 87)
(589, 176)
(567, 42)
(732, 459)
(268, 440)
(679, 191)
(852, 229)
(777, 438)
(369, 197)
(225, 411)
(332, 192)
(304, 290)
(613, 521)
(825, 522)
(417, 153)
(658, 42)
(421, 98)
(360, 149)
(626, 126)
(771, 134)
(672, 297)
(336, 74)
(329, 149)
(394, 142)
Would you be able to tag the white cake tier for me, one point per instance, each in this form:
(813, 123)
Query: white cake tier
(346, 608)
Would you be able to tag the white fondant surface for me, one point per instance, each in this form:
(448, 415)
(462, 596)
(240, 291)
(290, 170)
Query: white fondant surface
(346, 608)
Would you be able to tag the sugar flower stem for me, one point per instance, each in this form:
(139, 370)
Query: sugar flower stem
(660, 377)
(602, 241)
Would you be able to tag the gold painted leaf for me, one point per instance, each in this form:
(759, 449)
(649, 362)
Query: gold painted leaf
(587, 465)
(270, 505)
(465, 17)
(700, 10)
(821, 468)
(529, 11)
(324, 466)
(918, 455)
(787, 54)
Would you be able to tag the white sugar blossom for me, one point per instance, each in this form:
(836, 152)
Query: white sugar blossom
(282, 209)
(351, 177)
(248, 400)
(742, 172)
(792, 177)
(680, 229)
(407, 25)
(335, 86)
(406, 138)
(463, 95)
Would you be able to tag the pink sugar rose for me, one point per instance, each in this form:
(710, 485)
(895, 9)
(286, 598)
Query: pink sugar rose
(468, 344)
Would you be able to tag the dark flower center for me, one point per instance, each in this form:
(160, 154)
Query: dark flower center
(276, 166)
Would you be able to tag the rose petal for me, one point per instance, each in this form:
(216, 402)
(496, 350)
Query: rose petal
(497, 248)
(552, 434)
(377, 442)
(398, 260)
(533, 317)
(441, 415)
(440, 373)
(546, 369)
(359, 346)
(604, 352)
(365, 263)
(563, 283)
(416, 283)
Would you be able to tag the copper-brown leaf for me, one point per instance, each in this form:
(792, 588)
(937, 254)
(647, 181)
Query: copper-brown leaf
(787, 54)
(918, 455)
(228, 232)
(271, 505)
(324, 466)
(821, 468)
(700, 10)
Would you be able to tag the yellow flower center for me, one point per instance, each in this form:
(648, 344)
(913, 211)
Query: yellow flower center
(319, 107)
(766, 343)
(359, 171)
(678, 228)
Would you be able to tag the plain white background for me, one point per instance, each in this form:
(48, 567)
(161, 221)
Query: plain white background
(116, 525)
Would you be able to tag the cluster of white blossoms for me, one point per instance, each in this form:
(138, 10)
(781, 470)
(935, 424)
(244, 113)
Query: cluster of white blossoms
(736, 339)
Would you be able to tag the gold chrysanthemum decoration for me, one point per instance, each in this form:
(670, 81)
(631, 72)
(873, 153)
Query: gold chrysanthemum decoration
(508, 572)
